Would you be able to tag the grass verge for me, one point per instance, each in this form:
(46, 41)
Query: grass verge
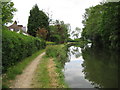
(59, 54)
(17, 69)
(42, 79)
(61, 81)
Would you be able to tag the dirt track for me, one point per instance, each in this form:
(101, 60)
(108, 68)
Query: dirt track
(25, 79)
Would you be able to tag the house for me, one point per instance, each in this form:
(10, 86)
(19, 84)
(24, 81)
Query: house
(17, 28)
(14, 27)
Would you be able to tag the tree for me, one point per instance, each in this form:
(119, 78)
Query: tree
(42, 33)
(101, 25)
(59, 32)
(7, 12)
(37, 19)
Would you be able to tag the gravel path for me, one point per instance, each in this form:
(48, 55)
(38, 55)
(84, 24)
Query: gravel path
(25, 79)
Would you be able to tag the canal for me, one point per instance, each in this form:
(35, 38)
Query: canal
(91, 68)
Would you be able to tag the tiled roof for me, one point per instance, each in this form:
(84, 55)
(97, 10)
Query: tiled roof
(20, 25)
(15, 26)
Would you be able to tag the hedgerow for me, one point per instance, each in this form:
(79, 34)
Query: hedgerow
(16, 47)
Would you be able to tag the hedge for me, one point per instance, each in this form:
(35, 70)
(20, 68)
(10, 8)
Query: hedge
(16, 47)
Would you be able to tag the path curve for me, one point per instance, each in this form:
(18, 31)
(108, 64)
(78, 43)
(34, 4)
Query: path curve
(25, 79)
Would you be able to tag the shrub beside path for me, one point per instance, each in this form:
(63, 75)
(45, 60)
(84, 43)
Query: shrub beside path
(25, 79)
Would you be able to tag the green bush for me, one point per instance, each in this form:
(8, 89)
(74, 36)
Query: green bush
(57, 51)
(16, 47)
(56, 39)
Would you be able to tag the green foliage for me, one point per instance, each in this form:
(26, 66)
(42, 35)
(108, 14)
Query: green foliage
(37, 19)
(7, 12)
(56, 39)
(61, 77)
(101, 25)
(16, 47)
(57, 51)
(59, 32)
(50, 43)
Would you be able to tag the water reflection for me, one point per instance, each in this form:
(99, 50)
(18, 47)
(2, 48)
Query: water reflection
(73, 69)
(91, 68)
(74, 51)
(100, 67)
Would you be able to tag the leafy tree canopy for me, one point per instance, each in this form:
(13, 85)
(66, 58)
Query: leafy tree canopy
(7, 12)
(101, 25)
(59, 32)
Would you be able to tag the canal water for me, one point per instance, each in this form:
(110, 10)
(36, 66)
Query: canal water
(91, 68)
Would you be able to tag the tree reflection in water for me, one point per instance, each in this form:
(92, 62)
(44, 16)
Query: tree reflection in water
(74, 51)
(100, 67)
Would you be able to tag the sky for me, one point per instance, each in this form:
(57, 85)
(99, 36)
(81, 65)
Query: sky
(69, 11)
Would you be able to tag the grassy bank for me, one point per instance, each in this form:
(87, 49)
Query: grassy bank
(49, 73)
(42, 79)
(59, 55)
(61, 77)
(17, 69)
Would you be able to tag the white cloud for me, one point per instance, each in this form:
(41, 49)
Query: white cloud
(70, 11)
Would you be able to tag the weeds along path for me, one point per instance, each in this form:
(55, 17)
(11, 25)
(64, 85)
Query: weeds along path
(53, 75)
(25, 79)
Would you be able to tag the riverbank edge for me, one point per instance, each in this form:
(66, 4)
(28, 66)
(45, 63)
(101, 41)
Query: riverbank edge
(59, 66)
(61, 74)
(13, 71)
